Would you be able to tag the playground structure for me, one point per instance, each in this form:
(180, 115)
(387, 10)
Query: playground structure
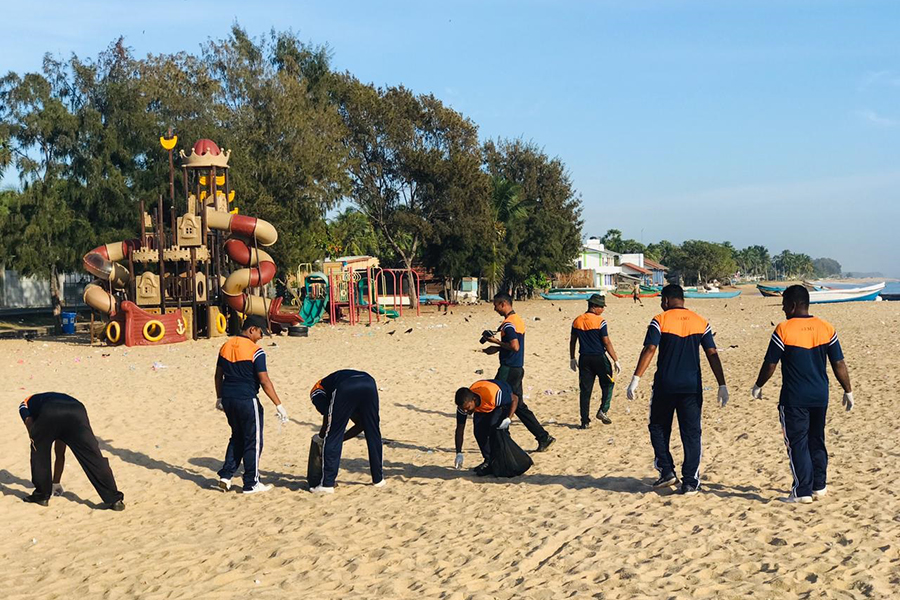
(351, 284)
(182, 291)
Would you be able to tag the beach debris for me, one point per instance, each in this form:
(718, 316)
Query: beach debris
(410, 330)
(560, 309)
(772, 323)
(610, 441)
(743, 436)
(20, 361)
(466, 318)
(273, 344)
(549, 392)
(537, 318)
(105, 355)
(158, 365)
(479, 371)
(733, 346)
(392, 332)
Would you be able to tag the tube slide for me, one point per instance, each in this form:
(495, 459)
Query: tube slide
(259, 266)
(101, 262)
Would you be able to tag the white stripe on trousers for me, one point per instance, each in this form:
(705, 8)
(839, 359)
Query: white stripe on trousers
(257, 406)
(327, 429)
(787, 443)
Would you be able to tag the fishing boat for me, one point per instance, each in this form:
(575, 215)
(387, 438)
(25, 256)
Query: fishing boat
(770, 290)
(891, 292)
(570, 293)
(712, 294)
(858, 294)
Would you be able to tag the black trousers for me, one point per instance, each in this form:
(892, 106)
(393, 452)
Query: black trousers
(68, 422)
(689, 408)
(804, 436)
(591, 367)
(514, 376)
(354, 396)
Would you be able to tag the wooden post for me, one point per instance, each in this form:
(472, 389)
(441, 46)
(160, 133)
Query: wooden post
(161, 243)
(194, 293)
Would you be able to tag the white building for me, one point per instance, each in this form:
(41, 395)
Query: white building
(594, 257)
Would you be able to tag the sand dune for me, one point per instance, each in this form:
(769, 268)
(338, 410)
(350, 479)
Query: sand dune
(582, 523)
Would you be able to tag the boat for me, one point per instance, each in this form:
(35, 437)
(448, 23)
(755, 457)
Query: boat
(770, 290)
(571, 293)
(709, 295)
(858, 294)
(891, 292)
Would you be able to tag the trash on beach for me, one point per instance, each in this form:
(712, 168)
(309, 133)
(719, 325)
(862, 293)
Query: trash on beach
(479, 371)
(549, 392)
(158, 365)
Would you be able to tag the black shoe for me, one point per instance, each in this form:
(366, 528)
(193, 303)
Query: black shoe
(667, 480)
(585, 425)
(483, 465)
(483, 470)
(603, 417)
(118, 505)
(545, 443)
(32, 499)
(689, 490)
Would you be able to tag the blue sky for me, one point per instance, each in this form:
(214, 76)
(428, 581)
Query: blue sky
(772, 122)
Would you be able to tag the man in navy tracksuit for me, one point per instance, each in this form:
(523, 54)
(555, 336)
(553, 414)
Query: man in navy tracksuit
(340, 397)
(240, 371)
(803, 344)
(54, 417)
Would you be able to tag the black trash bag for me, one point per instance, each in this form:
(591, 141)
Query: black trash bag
(314, 465)
(507, 458)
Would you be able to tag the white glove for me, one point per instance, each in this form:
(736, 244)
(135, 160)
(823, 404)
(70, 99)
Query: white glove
(219, 405)
(573, 364)
(756, 393)
(632, 387)
(58, 489)
(504, 424)
(848, 401)
(723, 395)
(458, 463)
(617, 367)
(282, 413)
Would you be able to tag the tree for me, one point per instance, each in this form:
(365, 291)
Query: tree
(826, 267)
(549, 237)
(792, 266)
(413, 164)
(351, 233)
(44, 233)
(705, 260)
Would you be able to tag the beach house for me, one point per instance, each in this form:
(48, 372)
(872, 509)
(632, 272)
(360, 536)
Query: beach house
(602, 262)
(659, 271)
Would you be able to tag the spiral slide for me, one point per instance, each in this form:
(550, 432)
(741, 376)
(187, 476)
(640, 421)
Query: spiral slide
(101, 262)
(259, 266)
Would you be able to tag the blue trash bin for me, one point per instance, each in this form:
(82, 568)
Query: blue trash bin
(68, 323)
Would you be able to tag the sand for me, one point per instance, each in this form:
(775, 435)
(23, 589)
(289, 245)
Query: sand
(582, 523)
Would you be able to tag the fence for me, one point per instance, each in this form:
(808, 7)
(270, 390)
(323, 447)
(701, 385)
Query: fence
(34, 292)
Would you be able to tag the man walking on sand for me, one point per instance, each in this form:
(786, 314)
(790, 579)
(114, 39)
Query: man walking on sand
(636, 294)
(677, 386)
(590, 331)
(511, 347)
(240, 371)
(803, 343)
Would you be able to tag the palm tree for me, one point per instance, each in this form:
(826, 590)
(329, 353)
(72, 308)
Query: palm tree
(507, 207)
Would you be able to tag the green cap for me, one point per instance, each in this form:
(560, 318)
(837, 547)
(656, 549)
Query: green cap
(597, 300)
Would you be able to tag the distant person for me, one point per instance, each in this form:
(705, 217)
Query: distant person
(493, 404)
(590, 332)
(677, 386)
(240, 371)
(53, 417)
(341, 397)
(636, 294)
(803, 344)
(511, 347)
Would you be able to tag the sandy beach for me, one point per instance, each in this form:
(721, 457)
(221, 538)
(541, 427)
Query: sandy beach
(583, 522)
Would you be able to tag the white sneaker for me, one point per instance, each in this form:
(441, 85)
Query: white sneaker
(820, 493)
(259, 488)
(322, 490)
(224, 484)
(380, 483)
(798, 499)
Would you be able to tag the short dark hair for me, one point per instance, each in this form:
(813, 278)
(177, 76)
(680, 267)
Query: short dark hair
(463, 394)
(503, 297)
(673, 291)
(796, 294)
